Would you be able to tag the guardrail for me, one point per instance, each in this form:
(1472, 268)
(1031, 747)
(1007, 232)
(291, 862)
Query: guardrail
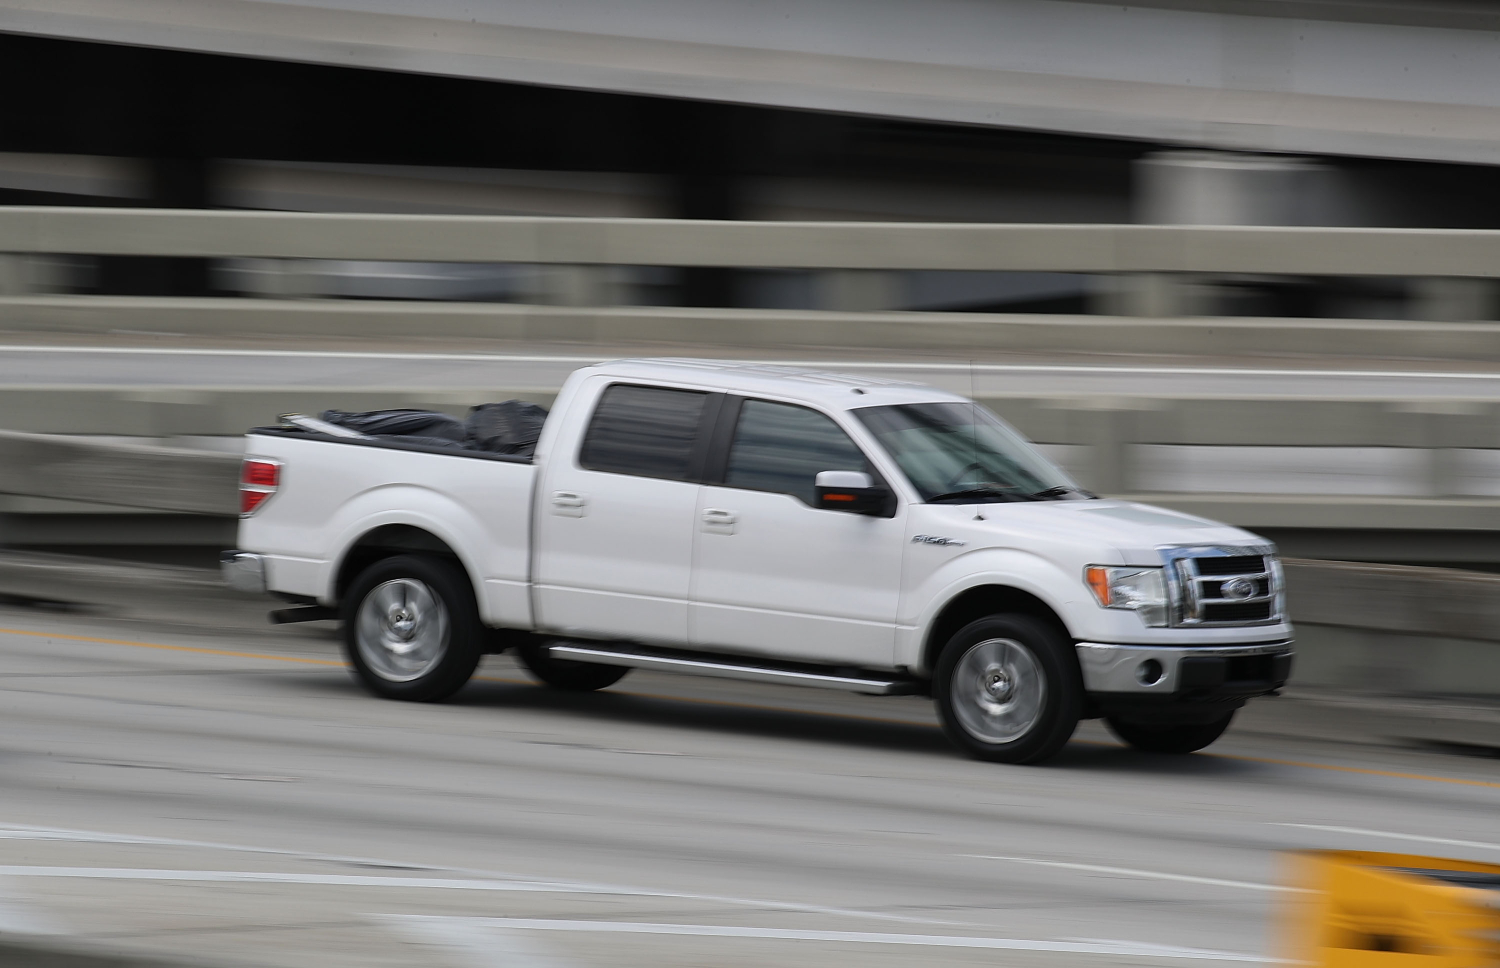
(691, 242)
(1452, 258)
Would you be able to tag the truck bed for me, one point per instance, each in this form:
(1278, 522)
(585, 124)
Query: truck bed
(345, 493)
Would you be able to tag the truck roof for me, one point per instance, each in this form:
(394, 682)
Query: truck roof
(793, 381)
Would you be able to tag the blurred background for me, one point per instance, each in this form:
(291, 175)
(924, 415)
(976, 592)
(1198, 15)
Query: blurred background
(1236, 257)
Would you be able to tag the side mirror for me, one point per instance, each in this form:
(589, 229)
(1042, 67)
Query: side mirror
(851, 491)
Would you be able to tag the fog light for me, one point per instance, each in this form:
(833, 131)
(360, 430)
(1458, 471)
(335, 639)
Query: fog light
(1148, 673)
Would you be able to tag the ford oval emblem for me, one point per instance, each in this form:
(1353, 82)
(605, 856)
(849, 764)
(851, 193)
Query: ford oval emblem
(1237, 589)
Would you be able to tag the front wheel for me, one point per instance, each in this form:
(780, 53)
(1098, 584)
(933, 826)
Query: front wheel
(412, 629)
(1007, 689)
(1169, 737)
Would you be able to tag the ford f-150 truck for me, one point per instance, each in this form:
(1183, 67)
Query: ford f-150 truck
(776, 524)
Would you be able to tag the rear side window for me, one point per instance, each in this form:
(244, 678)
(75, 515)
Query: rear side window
(780, 447)
(644, 431)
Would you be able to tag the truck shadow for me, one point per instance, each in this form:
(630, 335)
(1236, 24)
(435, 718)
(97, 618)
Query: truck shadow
(724, 718)
(783, 721)
(849, 729)
(1106, 757)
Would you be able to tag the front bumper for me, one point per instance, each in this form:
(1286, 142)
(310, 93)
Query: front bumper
(1141, 671)
(244, 571)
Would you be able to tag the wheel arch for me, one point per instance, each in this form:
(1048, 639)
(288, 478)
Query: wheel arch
(975, 603)
(387, 541)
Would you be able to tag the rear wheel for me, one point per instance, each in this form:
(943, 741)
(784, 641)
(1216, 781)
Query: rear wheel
(567, 674)
(1169, 737)
(412, 629)
(1007, 689)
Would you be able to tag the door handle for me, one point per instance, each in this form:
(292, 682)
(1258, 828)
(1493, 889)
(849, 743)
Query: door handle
(719, 521)
(569, 504)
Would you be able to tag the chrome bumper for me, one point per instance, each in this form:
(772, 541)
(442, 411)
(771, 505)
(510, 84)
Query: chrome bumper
(243, 571)
(1129, 668)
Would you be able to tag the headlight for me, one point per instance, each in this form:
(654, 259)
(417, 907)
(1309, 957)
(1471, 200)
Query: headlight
(1141, 590)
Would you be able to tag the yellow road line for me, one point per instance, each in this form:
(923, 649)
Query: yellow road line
(1390, 774)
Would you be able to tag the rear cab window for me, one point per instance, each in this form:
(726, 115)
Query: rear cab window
(648, 431)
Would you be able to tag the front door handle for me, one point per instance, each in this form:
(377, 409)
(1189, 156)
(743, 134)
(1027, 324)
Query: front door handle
(719, 521)
(569, 504)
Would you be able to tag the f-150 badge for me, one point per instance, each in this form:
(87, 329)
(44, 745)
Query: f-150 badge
(933, 539)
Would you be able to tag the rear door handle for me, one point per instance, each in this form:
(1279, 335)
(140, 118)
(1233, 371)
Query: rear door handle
(569, 504)
(719, 521)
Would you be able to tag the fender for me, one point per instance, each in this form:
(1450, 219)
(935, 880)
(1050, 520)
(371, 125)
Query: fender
(1011, 567)
(409, 504)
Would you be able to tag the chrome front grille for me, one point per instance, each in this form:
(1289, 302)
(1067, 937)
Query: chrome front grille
(1214, 587)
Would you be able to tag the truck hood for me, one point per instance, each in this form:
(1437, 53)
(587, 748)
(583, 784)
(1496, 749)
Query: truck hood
(1133, 531)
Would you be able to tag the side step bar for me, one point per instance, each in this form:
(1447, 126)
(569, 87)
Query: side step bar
(870, 683)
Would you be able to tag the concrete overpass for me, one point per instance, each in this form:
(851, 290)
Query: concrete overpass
(1407, 79)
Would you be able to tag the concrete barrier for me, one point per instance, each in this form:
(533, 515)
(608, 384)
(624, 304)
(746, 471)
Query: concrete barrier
(1401, 651)
(707, 329)
(1399, 630)
(1296, 250)
(125, 475)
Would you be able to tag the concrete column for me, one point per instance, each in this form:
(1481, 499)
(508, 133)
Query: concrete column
(579, 286)
(25, 274)
(14, 278)
(1214, 188)
(172, 182)
(1449, 300)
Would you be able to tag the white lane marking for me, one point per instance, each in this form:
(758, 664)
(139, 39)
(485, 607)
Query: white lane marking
(1132, 872)
(1180, 950)
(853, 937)
(1082, 368)
(433, 883)
(27, 832)
(1418, 838)
(479, 945)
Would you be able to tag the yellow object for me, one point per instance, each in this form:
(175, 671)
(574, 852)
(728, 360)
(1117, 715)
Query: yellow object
(1357, 909)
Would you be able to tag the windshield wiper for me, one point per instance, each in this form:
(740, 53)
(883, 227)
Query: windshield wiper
(1004, 494)
(1061, 490)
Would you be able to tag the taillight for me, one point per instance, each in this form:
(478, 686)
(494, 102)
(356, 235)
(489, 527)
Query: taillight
(258, 481)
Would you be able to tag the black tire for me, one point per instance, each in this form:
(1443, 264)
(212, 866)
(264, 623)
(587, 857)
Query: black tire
(1008, 689)
(567, 674)
(425, 605)
(1169, 737)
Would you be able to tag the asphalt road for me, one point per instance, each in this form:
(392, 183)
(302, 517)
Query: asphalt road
(205, 786)
(545, 368)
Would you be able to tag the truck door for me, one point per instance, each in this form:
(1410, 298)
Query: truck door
(614, 542)
(776, 575)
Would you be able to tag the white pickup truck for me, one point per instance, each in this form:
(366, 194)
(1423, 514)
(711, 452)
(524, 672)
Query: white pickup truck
(771, 523)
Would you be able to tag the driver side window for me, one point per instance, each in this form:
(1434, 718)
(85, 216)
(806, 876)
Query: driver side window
(781, 448)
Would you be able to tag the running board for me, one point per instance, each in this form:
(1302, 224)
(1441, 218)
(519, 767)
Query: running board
(868, 683)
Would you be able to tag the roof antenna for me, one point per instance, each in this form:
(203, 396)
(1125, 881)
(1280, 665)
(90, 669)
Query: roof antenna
(974, 431)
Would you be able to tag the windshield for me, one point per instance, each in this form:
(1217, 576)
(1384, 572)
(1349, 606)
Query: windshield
(962, 452)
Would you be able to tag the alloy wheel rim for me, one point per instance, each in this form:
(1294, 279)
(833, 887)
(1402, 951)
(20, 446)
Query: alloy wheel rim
(999, 690)
(401, 630)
